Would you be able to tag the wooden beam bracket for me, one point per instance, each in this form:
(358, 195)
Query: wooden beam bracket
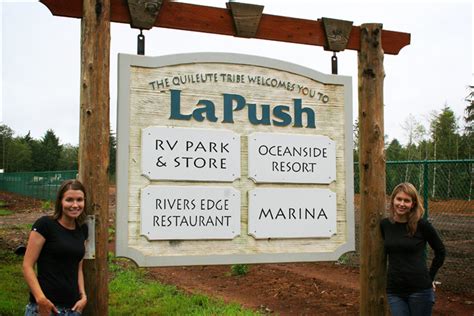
(337, 34)
(143, 13)
(246, 18)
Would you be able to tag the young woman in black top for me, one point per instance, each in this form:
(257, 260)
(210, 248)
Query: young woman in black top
(410, 285)
(57, 246)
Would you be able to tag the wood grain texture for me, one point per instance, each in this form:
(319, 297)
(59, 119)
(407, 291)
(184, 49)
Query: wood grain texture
(152, 107)
(198, 18)
(372, 171)
(94, 144)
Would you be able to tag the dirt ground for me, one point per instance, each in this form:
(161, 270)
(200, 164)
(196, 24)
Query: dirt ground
(285, 289)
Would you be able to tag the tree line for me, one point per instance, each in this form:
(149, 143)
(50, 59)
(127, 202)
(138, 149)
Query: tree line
(444, 139)
(24, 153)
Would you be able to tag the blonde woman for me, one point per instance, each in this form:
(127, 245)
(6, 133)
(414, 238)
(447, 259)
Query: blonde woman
(410, 284)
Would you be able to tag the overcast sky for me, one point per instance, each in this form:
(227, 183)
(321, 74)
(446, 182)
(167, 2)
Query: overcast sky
(40, 58)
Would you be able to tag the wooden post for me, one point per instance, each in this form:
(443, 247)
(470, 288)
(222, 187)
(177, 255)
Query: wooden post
(94, 143)
(372, 171)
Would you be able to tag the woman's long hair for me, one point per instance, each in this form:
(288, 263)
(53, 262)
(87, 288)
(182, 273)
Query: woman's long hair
(417, 209)
(65, 186)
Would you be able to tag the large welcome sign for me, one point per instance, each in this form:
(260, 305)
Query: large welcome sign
(226, 158)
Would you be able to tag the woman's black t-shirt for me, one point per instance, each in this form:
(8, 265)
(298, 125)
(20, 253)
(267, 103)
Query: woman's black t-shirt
(58, 262)
(407, 271)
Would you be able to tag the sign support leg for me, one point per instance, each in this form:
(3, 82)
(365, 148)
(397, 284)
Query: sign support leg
(372, 171)
(94, 143)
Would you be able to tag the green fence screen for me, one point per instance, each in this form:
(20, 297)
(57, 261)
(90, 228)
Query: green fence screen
(40, 185)
(447, 188)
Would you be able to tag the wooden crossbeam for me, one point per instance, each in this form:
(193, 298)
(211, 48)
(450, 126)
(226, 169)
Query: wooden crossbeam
(198, 18)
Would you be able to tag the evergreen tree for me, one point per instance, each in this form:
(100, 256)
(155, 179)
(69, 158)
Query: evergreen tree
(6, 137)
(444, 135)
(394, 151)
(48, 151)
(469, 118)
(68, 159)
(19, 156)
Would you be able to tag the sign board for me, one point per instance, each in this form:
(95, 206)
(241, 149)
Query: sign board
(288, 158)
(211, 146)
(197, 212)
(292, 213)
(190, 154)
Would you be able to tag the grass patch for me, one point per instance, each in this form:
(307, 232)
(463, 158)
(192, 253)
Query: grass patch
(3, 203)
(4, 212)
(13, 289)
(47, 205)
(131, 293)
(239, 269)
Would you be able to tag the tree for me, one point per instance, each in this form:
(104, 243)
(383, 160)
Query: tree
(415, 133)
(469, 118)
(68, 159)
(6, 136)
(394, 151)
(444, 134)
(112, 153)
(446, 144)
(355, 133)
(19, 156)
(47, 153)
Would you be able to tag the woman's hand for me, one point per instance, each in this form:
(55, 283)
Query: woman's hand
(80, 305)
(46, 307)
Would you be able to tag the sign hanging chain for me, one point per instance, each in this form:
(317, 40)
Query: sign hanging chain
(141, 43)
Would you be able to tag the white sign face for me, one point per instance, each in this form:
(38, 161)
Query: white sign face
(223, 151)
(289, 158)
(197, 212)
(190, 154)
(292, 213)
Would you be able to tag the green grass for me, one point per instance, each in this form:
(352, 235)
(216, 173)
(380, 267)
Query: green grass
(13, 290)
(2, 203)
(131, 293)
(239, 269)
(4, 212)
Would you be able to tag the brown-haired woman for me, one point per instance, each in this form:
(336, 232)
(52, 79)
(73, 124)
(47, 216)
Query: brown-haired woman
(57, 245)
(410, 285)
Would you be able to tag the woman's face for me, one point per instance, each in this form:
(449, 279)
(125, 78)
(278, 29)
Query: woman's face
(402, 205)
(72, 203)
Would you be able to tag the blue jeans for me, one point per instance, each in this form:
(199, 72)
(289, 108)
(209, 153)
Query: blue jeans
(415, 304)
(32, 310)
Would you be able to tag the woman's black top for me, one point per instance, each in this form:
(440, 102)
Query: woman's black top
(407, 270)
(58, 262)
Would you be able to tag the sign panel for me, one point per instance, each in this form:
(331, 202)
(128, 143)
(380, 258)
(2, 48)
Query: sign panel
(287, 158)
(292, 213)
(190, 154)
(189, 123)
(178, 212)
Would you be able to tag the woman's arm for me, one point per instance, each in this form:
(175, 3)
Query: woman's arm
(79, 306)
(437, 245)
(35, 244)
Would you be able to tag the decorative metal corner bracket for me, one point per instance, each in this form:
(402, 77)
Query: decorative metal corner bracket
(246, 18)
(337, 34)
(143, 13)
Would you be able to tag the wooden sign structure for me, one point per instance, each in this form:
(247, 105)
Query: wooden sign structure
(371, 42)
(230, 158)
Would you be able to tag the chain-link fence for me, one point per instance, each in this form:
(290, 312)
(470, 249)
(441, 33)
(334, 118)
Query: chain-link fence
(40, 185)
(447, 188)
